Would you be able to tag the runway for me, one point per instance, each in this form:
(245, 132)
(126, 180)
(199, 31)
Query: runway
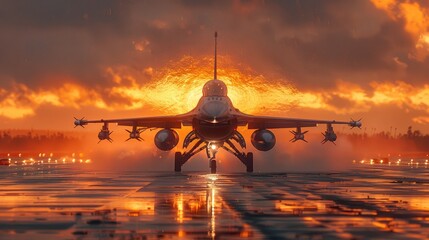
(65, 201)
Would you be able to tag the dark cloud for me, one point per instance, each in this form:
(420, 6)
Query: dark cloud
(418, 71)
(64, 13)
(312, 43)
(52, 39)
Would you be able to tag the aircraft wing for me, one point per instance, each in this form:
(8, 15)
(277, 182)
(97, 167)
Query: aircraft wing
(266, 122)
(175, 121)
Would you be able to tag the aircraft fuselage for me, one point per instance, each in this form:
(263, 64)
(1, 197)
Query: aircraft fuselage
(214, 120)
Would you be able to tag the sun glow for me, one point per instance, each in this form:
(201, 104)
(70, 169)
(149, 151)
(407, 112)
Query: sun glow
(177, 87)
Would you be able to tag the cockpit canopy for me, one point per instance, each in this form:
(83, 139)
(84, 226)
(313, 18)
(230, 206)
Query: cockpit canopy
(215, 88)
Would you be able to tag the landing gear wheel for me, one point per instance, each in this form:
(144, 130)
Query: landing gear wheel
(178, 162)
(213, 166)
(249, 162)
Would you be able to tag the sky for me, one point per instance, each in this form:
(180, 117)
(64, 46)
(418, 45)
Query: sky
(332, 59)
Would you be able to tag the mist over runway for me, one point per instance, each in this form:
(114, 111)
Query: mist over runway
(66, 201)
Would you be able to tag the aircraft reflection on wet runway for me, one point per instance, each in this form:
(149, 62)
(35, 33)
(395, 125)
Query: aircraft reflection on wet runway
(380, 202)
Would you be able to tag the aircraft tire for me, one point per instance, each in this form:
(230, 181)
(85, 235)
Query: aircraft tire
(249, 162)
(213, 166)
(178, 162)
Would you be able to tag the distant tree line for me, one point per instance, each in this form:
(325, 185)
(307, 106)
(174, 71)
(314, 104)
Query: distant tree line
(11, 140)
(411, 140)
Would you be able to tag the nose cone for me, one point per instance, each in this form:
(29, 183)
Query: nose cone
(215, 110)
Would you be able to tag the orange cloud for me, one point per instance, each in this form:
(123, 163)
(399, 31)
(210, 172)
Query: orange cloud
(396, 93)
(21, 101)
(172, 90)
(416, 22)
(177, 88)
(141, 46)
(415, 17)
(421, 120)
(386, 5)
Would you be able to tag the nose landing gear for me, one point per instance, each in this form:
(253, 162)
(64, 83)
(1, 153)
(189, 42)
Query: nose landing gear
(211, 149)
(213, 166)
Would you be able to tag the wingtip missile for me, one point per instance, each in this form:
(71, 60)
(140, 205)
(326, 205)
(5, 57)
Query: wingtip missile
(80, 122)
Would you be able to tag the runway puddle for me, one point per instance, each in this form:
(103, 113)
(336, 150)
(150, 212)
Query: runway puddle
(65, 201)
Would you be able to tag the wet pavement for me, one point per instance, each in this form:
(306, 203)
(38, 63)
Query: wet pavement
(68, 202)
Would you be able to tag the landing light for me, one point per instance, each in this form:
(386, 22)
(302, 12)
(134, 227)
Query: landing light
(213, 146)
(212, 177)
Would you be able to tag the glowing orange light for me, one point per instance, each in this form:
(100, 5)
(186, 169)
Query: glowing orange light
(178, 87)
(415, 19)
(181, 233)
(180, 208)
(137, 208)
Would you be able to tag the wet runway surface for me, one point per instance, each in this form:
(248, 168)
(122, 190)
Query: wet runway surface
(68, 202)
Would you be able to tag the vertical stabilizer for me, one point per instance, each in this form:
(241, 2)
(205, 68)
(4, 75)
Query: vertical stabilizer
(215, 57)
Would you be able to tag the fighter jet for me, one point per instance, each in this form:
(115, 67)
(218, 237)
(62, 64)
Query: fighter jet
(214, 123)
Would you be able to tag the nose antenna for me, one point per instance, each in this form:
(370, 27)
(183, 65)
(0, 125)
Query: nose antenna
(215, 57)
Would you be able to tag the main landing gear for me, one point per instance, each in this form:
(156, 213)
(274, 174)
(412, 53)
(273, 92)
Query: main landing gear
(178, 162)
(182, 158)
(249, 162)
(211, 149)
